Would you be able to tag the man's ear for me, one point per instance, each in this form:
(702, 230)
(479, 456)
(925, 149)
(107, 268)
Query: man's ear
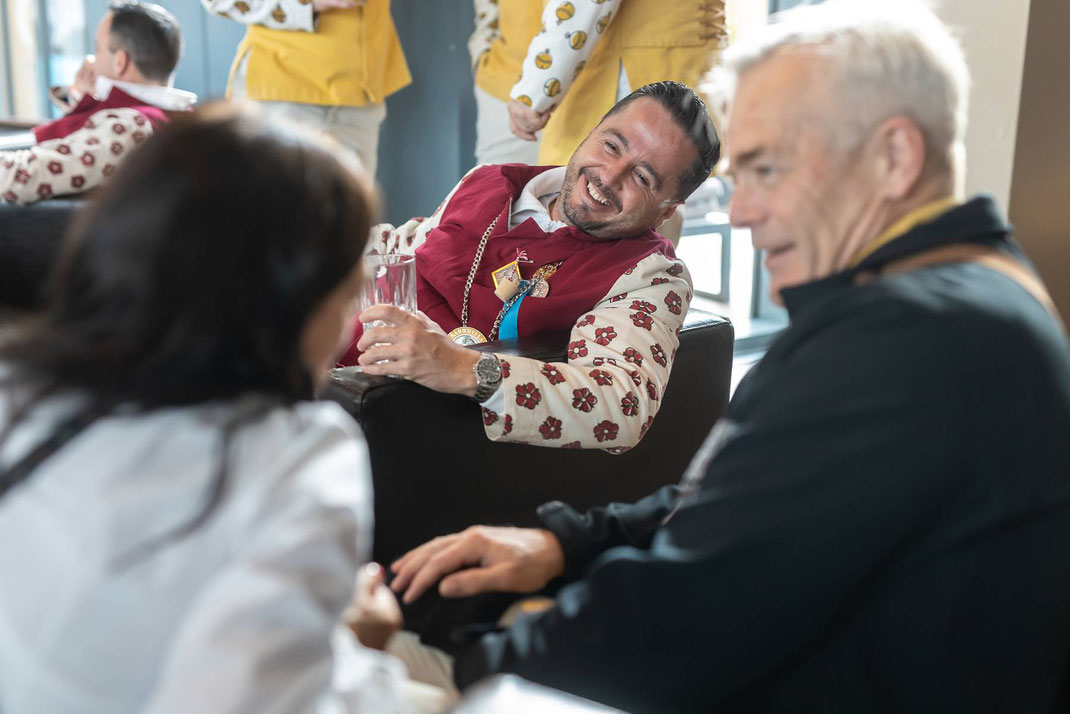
(666, 214)
(123, 64)
(901, 154)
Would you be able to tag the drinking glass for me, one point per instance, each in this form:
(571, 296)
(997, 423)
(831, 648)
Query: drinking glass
(389, 279)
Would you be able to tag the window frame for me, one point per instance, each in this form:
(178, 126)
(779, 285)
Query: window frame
(704, 227)
(7, 90)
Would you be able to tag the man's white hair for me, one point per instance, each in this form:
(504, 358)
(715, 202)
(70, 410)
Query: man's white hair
(892, 59)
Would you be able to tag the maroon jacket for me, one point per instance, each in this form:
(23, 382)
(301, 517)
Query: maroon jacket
(76, 119)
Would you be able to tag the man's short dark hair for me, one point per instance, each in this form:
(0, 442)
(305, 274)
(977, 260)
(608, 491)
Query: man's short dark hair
(689, 112)
(149, 34)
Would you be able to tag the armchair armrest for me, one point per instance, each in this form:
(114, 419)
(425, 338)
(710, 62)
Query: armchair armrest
(349, 385)
(13, 124)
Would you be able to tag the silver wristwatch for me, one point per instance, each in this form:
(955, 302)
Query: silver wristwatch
(488, 372)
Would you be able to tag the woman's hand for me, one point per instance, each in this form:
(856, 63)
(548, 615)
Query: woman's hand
(374, 615)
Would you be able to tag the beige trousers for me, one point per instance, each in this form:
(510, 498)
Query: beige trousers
(356, 128)
(495, 143)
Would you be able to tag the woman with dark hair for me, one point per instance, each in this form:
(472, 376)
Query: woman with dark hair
(180, 527)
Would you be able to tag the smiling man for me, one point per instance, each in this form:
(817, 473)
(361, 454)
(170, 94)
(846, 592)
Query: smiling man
(520, 250)
(879, 522)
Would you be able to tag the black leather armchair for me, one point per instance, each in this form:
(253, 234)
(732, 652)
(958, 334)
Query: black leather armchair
(436, 472)
(30, 238)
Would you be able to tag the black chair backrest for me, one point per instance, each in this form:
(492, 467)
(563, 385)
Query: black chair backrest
(30, 238)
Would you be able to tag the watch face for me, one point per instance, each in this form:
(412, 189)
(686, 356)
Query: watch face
(488, 370)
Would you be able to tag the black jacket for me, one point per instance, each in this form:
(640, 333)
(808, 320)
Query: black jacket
(882, 521)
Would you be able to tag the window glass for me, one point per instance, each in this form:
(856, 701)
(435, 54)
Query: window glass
(728, 275)
(779, 5)
(704, 242)
(66, 40)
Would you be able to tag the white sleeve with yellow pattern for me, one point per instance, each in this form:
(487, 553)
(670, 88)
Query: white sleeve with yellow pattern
(570, 31)
(276, 14)
(619, 358)
(486, 31)
(75, 163)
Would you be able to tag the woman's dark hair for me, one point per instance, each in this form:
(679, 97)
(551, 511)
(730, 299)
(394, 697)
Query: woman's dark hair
(191, 275)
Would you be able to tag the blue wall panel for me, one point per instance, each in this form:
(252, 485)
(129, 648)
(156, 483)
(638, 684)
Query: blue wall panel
(220, 40)
(428, 140)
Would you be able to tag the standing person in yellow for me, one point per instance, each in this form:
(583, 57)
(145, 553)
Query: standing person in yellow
(576, 58)
(328, 63)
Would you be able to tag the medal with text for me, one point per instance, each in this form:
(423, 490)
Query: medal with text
(466, 336)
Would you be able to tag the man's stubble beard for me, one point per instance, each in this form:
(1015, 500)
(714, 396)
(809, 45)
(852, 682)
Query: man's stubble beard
(574, 216)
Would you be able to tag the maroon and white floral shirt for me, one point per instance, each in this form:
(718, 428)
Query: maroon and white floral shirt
(79, 151)
(73, 163)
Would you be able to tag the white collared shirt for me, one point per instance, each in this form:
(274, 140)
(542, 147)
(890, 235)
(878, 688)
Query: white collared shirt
(534, 201)
(166, 98)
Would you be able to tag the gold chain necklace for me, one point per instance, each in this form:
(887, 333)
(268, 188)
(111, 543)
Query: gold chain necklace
(465, 335)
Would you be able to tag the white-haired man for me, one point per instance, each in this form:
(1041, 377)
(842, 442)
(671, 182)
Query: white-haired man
(880, 521)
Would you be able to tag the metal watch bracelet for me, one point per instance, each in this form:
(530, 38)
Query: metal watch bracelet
(488, 373)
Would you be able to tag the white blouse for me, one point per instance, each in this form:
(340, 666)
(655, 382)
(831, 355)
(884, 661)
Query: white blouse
(241, 615)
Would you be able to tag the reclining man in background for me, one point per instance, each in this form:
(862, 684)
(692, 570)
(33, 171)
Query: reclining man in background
(880, 521)
(521, 250)
(118, 97)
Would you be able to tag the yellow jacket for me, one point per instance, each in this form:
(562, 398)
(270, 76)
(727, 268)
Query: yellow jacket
(656, 40)
(353, 58)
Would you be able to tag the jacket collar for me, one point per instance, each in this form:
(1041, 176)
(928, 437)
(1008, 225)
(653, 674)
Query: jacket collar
(166, 98)
(517, 176)
(976, 221)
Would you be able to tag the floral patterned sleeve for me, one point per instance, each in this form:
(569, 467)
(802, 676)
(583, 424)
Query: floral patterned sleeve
(556, 56)
(276, 14)
(406, 238)
(618, 363)
(74, 163)
(486, 31)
